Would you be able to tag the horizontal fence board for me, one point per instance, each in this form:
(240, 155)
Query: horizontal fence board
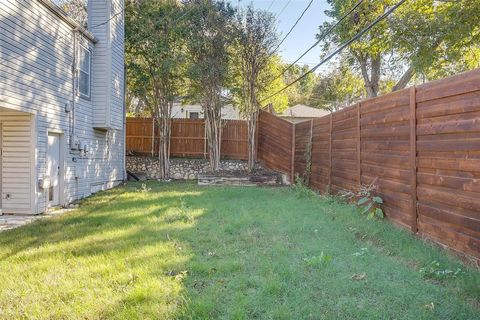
(421, 147)
(187, 138)
(275, 143)
(456, 85)
(463, 104)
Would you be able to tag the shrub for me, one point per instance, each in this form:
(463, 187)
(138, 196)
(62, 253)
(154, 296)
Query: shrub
(367, 200)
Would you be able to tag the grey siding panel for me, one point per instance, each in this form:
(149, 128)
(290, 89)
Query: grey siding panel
(108, 64)
(36, 55)
(101, 65)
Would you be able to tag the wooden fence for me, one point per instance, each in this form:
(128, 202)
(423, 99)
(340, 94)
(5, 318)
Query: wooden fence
(275, 143)
(421, 145)
(188, 138)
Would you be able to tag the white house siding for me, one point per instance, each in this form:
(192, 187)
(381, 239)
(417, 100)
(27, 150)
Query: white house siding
(108, 65)
(180, 111)
(117, 52)
(98, 10)
(36, 55)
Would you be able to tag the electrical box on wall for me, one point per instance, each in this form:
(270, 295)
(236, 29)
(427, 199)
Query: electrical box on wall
(75, 143)
(44, 183)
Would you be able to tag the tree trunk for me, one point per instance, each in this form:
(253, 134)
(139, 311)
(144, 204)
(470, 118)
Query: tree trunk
(163, 120)
(404, 80)
(408, 75)
(252, 142)
(375, 77)
(213, 127)
(164, 147)
(372, 80)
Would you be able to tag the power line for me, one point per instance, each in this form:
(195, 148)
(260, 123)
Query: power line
(112, 17)
(339, 49)
(293, 27)
(303, 63)
(322, 37)
(271, 3)
(66, 41)
(284, 7)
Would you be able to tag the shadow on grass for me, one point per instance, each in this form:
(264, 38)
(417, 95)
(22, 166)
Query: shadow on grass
(102, 213)
(180, 251)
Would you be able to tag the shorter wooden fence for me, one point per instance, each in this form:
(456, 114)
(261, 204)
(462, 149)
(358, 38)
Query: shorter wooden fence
(188, 138)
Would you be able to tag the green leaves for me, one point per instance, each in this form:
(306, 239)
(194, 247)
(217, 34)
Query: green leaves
(155, 52)
(435, 271)
(379, 212)
(421, 39)
(209, 37)
(367, 208)
(362, 201)
(367, 202)
(318, 261)
(377, 199)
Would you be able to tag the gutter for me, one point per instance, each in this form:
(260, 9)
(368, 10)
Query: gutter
(65, 18)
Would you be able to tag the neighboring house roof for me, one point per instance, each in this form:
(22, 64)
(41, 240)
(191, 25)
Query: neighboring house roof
(303, 111)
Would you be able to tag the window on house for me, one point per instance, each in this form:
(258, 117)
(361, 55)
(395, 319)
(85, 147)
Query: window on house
(84, 68)
(193, 115)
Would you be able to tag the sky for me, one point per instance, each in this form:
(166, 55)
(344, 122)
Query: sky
(303, 36)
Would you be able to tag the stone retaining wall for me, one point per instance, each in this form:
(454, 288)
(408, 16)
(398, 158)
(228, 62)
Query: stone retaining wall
(187, 169)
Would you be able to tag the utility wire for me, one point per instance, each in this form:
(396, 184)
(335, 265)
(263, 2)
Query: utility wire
(271, 3)
(284, 7)
(322, 37)
(291, 29)
(339, 49)
(65, 38)
(112, 17)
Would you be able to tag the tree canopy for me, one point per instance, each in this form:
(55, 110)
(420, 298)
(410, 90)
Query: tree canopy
(429, 37)
(204, 53)
(156, 63)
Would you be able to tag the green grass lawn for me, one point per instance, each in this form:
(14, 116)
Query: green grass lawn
(180, 251)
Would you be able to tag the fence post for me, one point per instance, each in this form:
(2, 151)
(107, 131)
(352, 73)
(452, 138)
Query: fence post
(330, 155)
(309, 162)
(256, 137)
(153, 136)
(413, 158)
(359, 148)
(292, 169)
(204, 139)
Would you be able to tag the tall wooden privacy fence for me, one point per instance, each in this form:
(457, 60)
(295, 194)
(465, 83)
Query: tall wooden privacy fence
(188, 138)
(421, 145)
(275, 141)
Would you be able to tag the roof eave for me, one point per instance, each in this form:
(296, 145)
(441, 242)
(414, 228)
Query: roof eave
(72, 23)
